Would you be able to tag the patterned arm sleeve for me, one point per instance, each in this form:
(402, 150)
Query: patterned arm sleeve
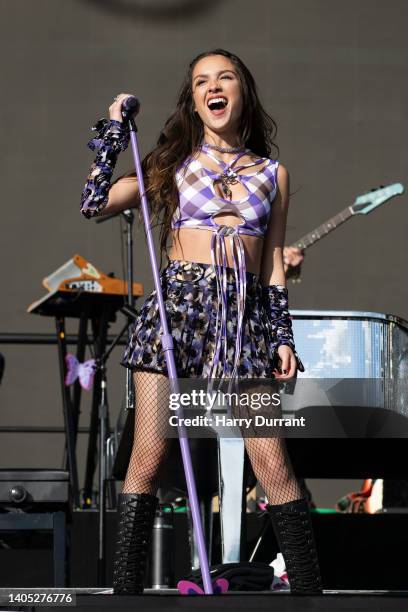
(276, 306)
(112, 138)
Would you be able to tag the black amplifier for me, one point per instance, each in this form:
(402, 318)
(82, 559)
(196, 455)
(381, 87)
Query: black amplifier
(23, 488)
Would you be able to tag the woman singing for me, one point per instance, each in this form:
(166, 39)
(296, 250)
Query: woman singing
(223, 202)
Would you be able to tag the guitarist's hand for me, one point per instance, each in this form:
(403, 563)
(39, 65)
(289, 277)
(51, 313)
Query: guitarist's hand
(292, 261)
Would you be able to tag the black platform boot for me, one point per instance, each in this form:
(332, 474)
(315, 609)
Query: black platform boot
(136, 514)
(293, 529)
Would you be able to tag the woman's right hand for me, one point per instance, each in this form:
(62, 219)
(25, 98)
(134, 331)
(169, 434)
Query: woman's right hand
(115, 109)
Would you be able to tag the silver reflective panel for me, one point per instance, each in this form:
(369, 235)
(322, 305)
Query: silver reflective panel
(354, 345)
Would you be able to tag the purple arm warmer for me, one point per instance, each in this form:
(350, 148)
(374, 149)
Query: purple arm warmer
(112, 138)
(275, 304)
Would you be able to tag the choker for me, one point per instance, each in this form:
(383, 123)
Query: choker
(223, 149)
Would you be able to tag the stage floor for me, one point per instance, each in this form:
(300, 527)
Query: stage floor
(171, 601)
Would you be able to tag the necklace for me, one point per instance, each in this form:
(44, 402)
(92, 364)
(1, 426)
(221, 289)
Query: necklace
(223, 149)
(227, 178)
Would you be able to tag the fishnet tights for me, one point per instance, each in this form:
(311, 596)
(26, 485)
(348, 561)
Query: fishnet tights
(150, 446)
(273, 469)
(269, 457)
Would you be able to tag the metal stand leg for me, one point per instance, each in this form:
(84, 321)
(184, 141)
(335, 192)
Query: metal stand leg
(68, 414)
(80, 354)
(100, 330)
(103, 416)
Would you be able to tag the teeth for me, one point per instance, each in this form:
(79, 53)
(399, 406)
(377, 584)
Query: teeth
(217, 101)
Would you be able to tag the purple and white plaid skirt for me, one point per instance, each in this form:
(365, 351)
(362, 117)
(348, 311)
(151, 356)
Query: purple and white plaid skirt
(192, 303)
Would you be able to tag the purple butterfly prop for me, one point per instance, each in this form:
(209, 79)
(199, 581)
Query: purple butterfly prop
(84, 371)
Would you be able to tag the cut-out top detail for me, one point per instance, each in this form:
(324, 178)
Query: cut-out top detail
(199, 202)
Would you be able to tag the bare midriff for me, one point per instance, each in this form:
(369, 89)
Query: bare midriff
(193, 244)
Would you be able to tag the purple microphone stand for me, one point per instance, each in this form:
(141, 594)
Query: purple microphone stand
(167, 344)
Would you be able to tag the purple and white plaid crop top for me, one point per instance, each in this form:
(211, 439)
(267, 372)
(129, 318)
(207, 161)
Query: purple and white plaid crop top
(198, 205)
(199, 202)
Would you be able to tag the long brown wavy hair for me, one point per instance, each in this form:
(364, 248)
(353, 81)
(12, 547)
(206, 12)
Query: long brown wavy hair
(183, 132)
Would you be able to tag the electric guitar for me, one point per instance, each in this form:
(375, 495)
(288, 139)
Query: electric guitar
(363, 205)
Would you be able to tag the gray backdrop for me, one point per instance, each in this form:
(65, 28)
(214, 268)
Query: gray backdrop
(333, 74)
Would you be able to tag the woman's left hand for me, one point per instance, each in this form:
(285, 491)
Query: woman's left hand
(289, 364)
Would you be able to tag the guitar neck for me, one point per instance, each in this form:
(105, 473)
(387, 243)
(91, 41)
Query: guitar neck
(325, 228)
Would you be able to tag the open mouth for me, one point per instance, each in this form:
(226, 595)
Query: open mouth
(217, 105)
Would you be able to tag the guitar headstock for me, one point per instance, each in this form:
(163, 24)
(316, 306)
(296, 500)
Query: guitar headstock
(370, 200)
